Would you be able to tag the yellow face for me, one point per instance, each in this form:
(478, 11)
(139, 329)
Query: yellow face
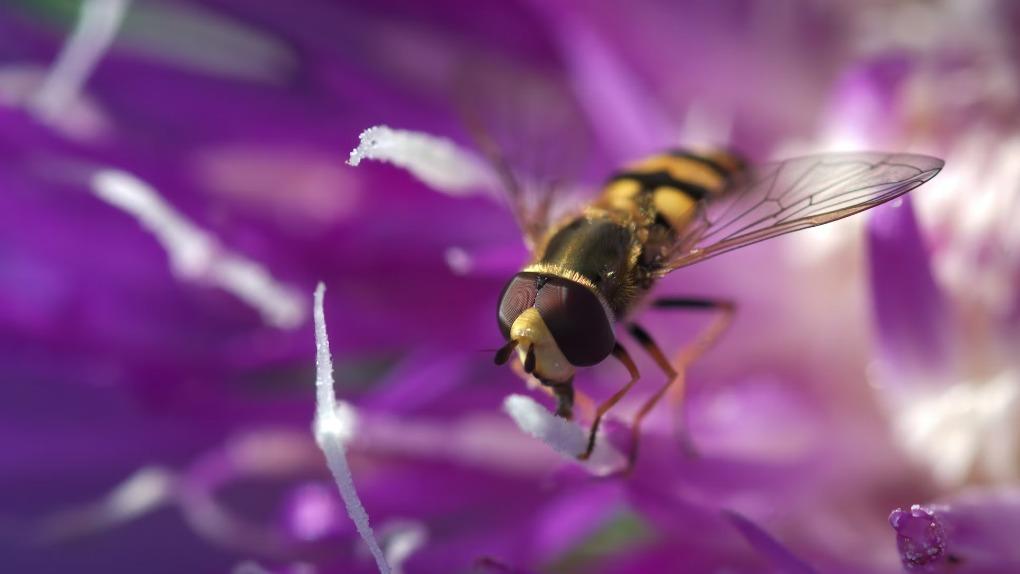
(532, 336)
(555, 324)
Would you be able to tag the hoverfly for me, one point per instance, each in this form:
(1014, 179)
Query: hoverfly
(590, 269)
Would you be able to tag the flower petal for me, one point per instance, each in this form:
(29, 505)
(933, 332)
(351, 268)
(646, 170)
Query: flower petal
(765, 544)
(628, 121)
(910, 314)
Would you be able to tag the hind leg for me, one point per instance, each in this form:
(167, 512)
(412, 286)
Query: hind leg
(676, 370)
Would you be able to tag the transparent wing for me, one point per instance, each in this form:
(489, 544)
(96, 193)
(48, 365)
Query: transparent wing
(780, 197)
(532, 133)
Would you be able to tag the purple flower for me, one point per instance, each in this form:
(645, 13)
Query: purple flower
(174, 188)
(970, 532)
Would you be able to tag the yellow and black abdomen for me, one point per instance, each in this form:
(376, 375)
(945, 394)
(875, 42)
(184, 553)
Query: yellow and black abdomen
(667, 187)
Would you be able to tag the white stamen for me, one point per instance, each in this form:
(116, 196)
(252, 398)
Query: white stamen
(561, 435)
(329, 434)
(97, 25)
(437, 162)
(197, 256)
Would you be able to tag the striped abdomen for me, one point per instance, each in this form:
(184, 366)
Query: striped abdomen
(668, 186)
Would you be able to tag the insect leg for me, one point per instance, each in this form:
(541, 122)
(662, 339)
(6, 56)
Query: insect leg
(564, 393)
(624, 357)
(584, 403)
(710, 334)
(676, 375)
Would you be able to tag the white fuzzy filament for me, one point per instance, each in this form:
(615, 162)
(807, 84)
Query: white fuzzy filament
(561, 435)
(195, 255)
(437, 162)
(333, 429)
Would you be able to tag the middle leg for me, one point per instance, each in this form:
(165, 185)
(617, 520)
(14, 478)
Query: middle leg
(567, 397)
(676, 377)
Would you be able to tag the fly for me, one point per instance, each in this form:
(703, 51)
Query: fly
(589, 270)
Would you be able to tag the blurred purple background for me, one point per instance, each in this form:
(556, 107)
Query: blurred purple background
(155, 421)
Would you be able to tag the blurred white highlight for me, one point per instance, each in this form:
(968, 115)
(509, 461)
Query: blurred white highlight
(197, 256)
(216, 43)
(97, 25)
(705, 126)
(144, 491)
(458, 260)
(333, 428)
(969, 431)
(401, 539)
(252, 567)
(964, 432)
(82, 119)
(980, 262)
(249, 567)
(561, 435)
(437, 162)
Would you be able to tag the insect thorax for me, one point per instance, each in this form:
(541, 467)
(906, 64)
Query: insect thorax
(599, 249)
(618, 242)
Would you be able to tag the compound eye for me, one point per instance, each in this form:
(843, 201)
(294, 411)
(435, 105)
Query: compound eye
(577, 321)
(518, 296)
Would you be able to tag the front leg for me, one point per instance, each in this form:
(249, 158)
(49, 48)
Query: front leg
(624, 357)
(564, 393)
